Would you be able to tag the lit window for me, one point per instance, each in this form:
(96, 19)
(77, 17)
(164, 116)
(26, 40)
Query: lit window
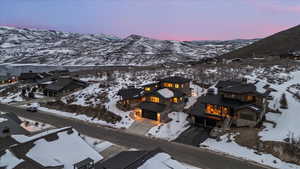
(143, 99)
(154, 99)
(176, 85)
(168, 85)
(175, 100)
(147, 89)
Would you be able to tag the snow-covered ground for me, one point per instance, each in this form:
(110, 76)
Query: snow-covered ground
(171, 130)
(124, 123)
(13, 97)
(232, 148)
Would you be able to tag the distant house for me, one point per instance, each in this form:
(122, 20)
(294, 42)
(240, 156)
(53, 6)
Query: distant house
(63, 86)
(155, 159)
(49, 150)
(290, 55)
(238, 102)
(30, 77)
(8, 79)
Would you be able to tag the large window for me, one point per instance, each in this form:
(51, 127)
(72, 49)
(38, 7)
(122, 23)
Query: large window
(148, 89)
(217, 110)
(168, 85)
(249, 98)
(177, 86)
(154, 99)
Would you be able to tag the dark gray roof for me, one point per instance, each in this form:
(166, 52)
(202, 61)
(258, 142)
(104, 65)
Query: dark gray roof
(219, 100)
(64, 82)
(155, 107)
(240, 89)
(175, 79)
(227, 83)
(130, 93)
(11, 124)
(128, 159)
(29, 76)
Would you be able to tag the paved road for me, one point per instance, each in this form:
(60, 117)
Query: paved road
(193, 136)
(184, 153)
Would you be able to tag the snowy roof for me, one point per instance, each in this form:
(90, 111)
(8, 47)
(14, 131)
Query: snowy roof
(166, 93)
(154, 159)
(54, 148)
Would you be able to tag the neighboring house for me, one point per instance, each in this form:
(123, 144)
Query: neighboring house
(8, 79)
(53, 149)
(63, 86)
(155, 159)
(10, 124)
(236, 102)
(30, 77)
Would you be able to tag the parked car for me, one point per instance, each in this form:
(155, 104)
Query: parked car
(32, 109)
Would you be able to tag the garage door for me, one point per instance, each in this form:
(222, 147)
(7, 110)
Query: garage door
(149, 114)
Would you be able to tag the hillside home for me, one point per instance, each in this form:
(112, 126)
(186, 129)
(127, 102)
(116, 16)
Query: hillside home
(63, 86)
(156, 100)
(236, 102)
(290, 55)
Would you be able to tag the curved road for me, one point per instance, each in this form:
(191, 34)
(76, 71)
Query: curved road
(191, 155)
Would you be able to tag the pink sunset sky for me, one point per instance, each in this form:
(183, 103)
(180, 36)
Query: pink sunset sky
(160, 19)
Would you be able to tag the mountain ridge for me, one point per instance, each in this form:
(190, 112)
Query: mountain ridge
(28, 46)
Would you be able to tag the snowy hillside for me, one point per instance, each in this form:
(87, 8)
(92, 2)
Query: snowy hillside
(57, 48)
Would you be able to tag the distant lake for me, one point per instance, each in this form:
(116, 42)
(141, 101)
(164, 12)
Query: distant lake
(15, 69)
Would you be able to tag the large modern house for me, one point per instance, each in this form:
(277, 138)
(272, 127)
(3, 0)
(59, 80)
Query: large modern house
(156, 100)
(236, 102)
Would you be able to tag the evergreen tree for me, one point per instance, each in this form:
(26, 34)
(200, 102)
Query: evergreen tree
(283, 102)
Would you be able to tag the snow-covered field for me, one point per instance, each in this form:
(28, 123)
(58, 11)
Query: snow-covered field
(170, 131)
(232, 148)
(13, 97)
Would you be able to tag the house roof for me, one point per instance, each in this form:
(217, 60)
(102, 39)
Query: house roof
(53, 149)
(130, 93)
(227, 83)
(219, 100)
(64, 82)
(30, 75)
(175, 79)
(240, 89)
(12, 123)
(150, 106)
(128, 159)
